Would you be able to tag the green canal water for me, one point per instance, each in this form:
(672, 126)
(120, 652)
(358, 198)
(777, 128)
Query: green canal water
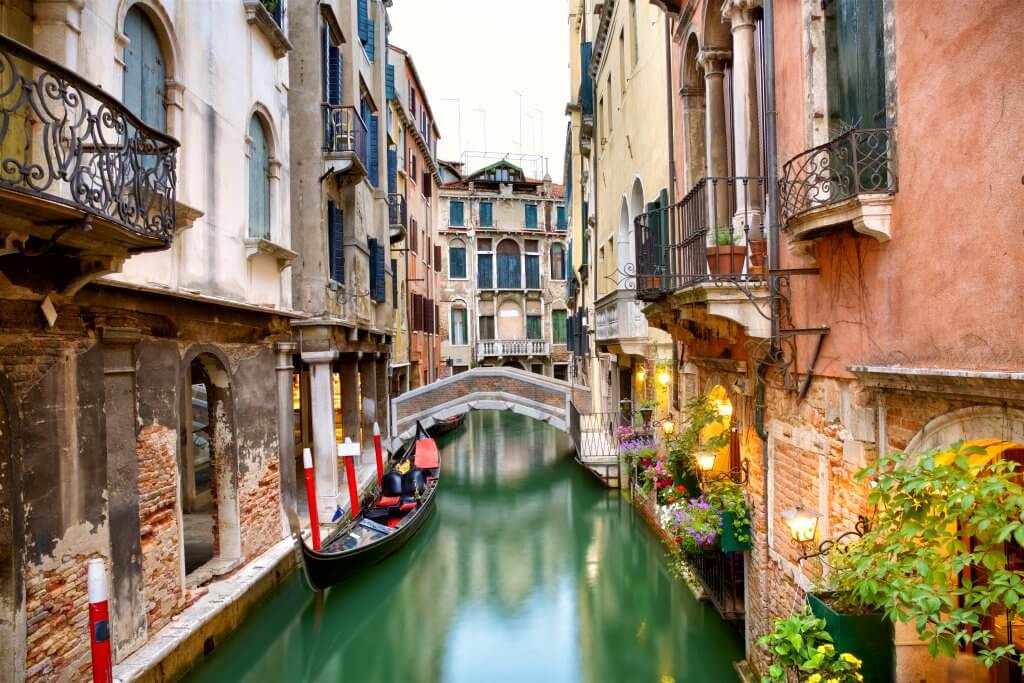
(528, 571)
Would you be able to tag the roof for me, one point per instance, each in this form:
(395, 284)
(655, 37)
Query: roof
(557, 191)
(419, 85)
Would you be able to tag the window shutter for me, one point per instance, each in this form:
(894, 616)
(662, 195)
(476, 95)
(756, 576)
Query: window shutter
(531, 215)
(389, 81)
(378, 291)
(325, 46)
(335, 242)
(508, 272)
(371, 40)
(455, 214)
(428, 187)
(486, 214)
(437, 258)
(485, 271)
(392, 171)
(558, 326)
(533, 271)
(570, 341)
(373, 150)
(364, 20)
(334, 74)
(145, 80)
(394, 283)
(533, 327)
(259, 182)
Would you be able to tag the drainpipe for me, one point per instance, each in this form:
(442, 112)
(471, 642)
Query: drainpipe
(671, 122)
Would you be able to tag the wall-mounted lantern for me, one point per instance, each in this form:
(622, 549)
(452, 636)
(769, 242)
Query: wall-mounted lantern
(802, 523)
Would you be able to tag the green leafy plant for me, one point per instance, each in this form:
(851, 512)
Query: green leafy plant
(648, 403)
(270, 5)
(729, 496)
(799, 645)
(724, 236)
(694, 522)
(916, 563)
(697, 414)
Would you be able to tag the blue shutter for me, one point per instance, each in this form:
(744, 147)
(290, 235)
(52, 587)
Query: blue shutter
(336, 242)
(259, 182)
(457, 262)
(508, 272)
(372, 151)
(145, 78)
(560, 217)
(486, 214)
(325, 47)
(334, 74)
(390, 81)
(455, 216)
(485, 271)
(371, 40)
(570, 340)
(378, 292)
(382, 276)
(533, 271)
(531, 215)
(394, 283)
(392, 171)
(364, 20)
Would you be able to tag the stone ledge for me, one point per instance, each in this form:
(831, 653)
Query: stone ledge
(869, 214)
(256, 13)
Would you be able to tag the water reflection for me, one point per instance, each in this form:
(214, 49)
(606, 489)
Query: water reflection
(528, 571)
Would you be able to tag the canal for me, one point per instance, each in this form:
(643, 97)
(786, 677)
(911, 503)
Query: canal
(529, 570)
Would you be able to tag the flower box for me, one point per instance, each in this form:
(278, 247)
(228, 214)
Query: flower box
(729, 542)
(868, 637)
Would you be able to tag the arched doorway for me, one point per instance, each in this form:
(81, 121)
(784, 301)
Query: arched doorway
(510, 321)
(208, 468)
(509, 267)
(693, 124)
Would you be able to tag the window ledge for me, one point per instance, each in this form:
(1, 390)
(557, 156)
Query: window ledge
(869, 213)
(257, 246)
(256, 13)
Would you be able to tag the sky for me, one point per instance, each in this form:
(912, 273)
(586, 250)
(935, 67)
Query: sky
(472, 56)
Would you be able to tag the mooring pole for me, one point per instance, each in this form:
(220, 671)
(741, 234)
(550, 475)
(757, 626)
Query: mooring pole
(349, 451)
(99, 622)
(380, 455)
(314, 521)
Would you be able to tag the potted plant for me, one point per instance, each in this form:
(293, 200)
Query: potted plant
(936, 553)
(730, 498)
(801, 648)
(695, 523)
(646, 410)
(725, 257)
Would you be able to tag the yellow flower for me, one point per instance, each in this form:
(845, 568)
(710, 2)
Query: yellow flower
(859, 677)
(832, 680)
(814, 678)
(847, 657)
(825, 647)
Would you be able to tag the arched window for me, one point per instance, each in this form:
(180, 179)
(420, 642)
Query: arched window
(557, 261)
(510, 321)
(145, 73)
(457, 332)
(509, 270)
(457, 260)
(259, 181)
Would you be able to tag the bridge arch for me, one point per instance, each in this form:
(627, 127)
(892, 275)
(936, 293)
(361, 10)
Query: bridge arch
(491, 388)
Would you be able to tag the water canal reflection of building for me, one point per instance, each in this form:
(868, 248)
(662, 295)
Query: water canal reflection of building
(529, 571)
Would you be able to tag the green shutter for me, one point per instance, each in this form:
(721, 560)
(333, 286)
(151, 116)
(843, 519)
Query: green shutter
(855, 52)
(531, 215)
(486, 214)
(455, 214)
(533, 327)
(145, 76)
(558, 326)
(259, 182)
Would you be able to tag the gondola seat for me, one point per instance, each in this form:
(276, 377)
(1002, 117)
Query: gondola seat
(388, 501)
(405, 507)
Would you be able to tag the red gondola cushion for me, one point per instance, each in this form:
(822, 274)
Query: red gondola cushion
(394, 522)
(388, 501)
(408, 506)
(427, 457)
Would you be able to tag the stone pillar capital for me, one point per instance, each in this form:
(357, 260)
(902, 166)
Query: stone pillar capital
(740, 13)
(713, 60)
(319, 357)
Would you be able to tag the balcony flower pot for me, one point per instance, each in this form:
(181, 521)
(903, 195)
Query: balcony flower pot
(868, 637)
(729, 541)
(726, 260)
(758, 253)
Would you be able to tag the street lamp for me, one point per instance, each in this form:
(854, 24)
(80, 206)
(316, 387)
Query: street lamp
(802, 523)
(668, 427)
(664, 377)
(705, 460)
(725, 408)
(641, 375)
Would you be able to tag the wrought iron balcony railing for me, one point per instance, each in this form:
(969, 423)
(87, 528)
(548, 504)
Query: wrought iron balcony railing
(65, 140)
(721, 575)
(856, 162)
(517, 347)
(714, 234)
(398, 214)
(345, 132)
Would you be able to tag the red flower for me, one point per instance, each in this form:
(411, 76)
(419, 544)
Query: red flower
(681, 488)
(679, 539)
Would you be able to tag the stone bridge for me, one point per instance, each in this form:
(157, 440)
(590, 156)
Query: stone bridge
(526, 393)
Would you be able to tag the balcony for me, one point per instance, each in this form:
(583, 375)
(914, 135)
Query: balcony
(398, 217)
(721, 576)
(621, 322)
(848, 181)
(345, 141)
(707, 251)
(80, 175)
(496, 348)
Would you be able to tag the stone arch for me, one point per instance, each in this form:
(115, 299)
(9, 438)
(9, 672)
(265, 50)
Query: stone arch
(975, 422)
(693, 133)
(168, 37)
(266, 119)
(623, 252)
(208, 431)
(12, 599)
(715, 33)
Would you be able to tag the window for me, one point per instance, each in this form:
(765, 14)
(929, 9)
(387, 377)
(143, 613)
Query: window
(378, 291)
(331, 86)
(537, 368)
(145, 75)
(509, 276)
(486, 327)
(370, 118)
(457, 260)
(611, 105)
(484, 265)
(336, 242)
(531, 215)
(855, 59)
(560, 221)
(622, 61)
(486, 215)
(558, 326)
(259, 181)
(532, 265)
(413, 235)
(533, 327)
(561, 371)
(634, 23)
(457, 333)
(455, 218)
(394, 283)
(557, 261)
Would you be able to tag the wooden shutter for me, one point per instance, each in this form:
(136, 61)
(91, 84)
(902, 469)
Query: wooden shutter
(394, 283)
(455, 214)
(392, 171)
(378, 290)
(371, 40)
(335, 74)
(856, 63)
(533, 271)
(531, 215)
(533, 327)
(145, 76)
(437, 258)
(259, 181)
(427, 186)
(336, 242)
(364, 20)
(373, 150)
(389, 81)
(486, 214)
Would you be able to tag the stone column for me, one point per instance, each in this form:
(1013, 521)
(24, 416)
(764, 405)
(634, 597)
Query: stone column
(368, 396)
(383, 396)
(348, 369)
(740, 14)
(286, 437)
(325, 461)
(127, 600)
(713, 61)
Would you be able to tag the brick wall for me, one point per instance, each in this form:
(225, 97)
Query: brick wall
(57, 618)
(259, 512)
(158, 524)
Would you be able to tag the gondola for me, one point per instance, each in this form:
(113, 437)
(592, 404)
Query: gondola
(446, 425)
(397, 512)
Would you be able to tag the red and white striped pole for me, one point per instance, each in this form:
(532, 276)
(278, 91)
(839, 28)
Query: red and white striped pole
(380, 456)
(99, 622)
(314, 520)
(349, 451)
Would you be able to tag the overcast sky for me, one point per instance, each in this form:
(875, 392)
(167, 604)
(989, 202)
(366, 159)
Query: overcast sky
(480, 52)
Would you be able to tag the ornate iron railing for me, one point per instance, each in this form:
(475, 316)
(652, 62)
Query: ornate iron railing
(856, 162)
(398, 215)
(344, 131)
(721, 575)
(65, 140)
(714, 234)
(517, 347)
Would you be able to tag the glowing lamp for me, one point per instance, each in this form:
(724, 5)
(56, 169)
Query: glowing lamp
(803, 524)
(669, 427)
(641, 375)
(725, 408)
(664, 378)
(706, 460)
